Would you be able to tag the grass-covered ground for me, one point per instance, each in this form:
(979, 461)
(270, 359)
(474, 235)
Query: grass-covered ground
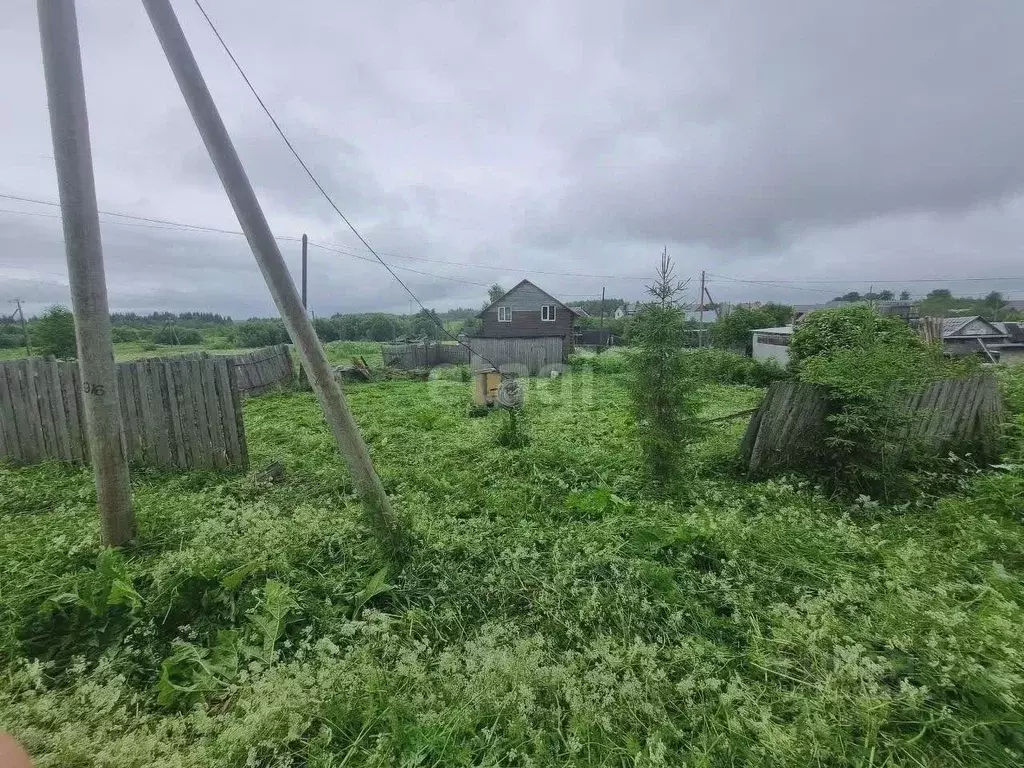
(555, 612)
(337, 351)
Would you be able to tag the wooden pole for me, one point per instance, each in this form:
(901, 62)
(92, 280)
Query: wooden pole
(69, 125)
(305, 246)
(700, 307)
(24, 328)
(390, 529)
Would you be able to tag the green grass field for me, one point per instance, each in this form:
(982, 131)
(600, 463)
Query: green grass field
(337, 351)
(555, 611)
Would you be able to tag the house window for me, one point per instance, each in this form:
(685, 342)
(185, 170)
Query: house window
(504, 314)
(547, 313)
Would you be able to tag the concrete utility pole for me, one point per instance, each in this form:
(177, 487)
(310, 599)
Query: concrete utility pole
(69, 124)
(305, 246)
(391, 530)
(700, 308)
(24, 328)
(600, 332)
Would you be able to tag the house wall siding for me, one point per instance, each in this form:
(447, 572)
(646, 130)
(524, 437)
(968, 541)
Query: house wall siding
(526, 302)
(767, 351)
(962, 346)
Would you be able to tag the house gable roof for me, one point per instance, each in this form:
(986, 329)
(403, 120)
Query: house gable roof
(516, 287)
(952, 326)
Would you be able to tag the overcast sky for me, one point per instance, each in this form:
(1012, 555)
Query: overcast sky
(818, 146)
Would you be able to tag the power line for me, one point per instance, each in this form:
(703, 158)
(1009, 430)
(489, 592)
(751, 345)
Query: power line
(150, 222)
(171, 224)
(513, 269)
(132, 216)
(320, 186)
(406, 269)
(144, 222)
(859, 281)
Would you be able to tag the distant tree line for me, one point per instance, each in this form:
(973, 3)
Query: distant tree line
(217, 331)
(941, 302)
(189, 319)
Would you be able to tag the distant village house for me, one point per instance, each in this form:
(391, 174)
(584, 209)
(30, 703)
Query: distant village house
(526, 329)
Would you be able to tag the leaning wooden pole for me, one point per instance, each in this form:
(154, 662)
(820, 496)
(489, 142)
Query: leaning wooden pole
(391, 530)
(69, 124)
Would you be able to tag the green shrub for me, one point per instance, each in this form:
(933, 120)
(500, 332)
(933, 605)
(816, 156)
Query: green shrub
(832, 330)
(724, 367)
(869, 365)
(733, 330)
(122, 333)
(326, 329)
(219, 342)
(177, 336)
(11, 336)
(54, 333)
(260, 333)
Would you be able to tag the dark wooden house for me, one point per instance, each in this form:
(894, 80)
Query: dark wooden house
(527, 312)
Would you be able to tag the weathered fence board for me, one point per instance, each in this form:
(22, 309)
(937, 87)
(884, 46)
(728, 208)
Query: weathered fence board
(69, 390)
(175, 413)
(423, 355)
(524, 356)
(264, 369)
(950, 413)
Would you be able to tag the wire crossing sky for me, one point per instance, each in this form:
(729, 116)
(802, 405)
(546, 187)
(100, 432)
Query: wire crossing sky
(793, 150)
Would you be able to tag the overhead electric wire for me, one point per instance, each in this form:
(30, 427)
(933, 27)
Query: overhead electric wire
(134, 217)
(151, 222)
(323, 191)
(507, 269)
(860, 281)
(148, 222)
(167, 224)
(331, 249)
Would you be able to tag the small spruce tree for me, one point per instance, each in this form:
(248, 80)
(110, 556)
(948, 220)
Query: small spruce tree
(661, 389)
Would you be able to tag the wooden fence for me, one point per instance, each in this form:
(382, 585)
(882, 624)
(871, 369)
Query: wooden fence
(182, 413)
(264, 369)
(952, 413)
(425, 354)
(531, 356)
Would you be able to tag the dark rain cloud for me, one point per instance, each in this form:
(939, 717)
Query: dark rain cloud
(779, 142)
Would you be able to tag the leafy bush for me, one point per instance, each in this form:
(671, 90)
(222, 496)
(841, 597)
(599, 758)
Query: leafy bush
(122, 333)
(723, 367)
(54, 333)
(833, 330)
(326, 329)
(732, 331)
(260, 333)
(11, 336)
(870, 365)
(177, 336)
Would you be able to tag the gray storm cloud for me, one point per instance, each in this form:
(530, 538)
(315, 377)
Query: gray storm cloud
(816, 146)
